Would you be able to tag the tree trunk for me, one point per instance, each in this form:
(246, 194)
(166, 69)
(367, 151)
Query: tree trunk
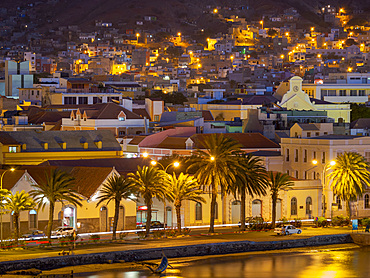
(274, 199)
(51, 218)
(213, 207)
(349, 213)
(16, 227)
(178, 216)
(223, 199)
(242, 210)
(148, 218)
(115, 221)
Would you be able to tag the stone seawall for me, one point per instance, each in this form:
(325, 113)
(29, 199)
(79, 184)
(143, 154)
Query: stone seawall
(171, 252)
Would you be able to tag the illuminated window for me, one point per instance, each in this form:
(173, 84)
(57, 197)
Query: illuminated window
(33, 219)
(12, 149)
(293, 206)
(121, 118)
(308, 205)
(198, 211)
(366, 201)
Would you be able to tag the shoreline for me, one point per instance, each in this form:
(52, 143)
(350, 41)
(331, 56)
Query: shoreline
(195, 250)
(183, 262)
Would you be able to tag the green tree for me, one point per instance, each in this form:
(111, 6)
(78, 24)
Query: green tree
(251, 179)
(184, 187)
(278, 182)
(216, 166)
(58, 186)
(149, 183)
(15, 203)
(349, 176)
(115, 189)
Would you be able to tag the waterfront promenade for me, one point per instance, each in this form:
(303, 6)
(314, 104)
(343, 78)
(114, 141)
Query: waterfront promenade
(197, 244)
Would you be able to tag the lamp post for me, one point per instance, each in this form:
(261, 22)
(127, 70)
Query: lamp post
(1, 205)
(174, 164)
(323, 181)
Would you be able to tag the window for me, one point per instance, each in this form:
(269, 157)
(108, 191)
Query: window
(366, 201)
(296, 155)
(317, 133)
(332, 93)
(324, 93)
(305, 156)
(216, 210)
(121, 133)
(198, 211)
(33, 219)
(121, 118)
(70, 100)
(353, 92)
(367, 156)
(342, 93)
(308, 205)
(12, 149)
(296, 174)
(308, 134)
(314, 155)
(287, 155)
(156, 118)
(323, 158)
(82, 100)
(293, 206)
(361, 93)
(97, 100)
(305, 175)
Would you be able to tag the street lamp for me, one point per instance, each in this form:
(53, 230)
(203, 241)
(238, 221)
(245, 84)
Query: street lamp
(323, 180)
(261, 22)
(174, 164)
(145, 155)
(1, 205)
(137, 37)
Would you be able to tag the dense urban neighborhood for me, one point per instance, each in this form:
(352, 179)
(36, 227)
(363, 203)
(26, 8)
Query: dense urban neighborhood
(116, 125)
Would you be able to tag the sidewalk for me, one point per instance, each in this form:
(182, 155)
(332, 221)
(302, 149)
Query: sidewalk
(222, 235)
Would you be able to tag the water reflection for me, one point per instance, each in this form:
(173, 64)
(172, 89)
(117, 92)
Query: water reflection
(313, 264)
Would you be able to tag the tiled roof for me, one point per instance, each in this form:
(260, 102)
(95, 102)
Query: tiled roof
(207, 115)
(308, 127)
(34, 140)
(247, 140)
(361, 123)
(142, 113)
(137, 140)
(6, 139)
(319, 101)
(48, 117)
(173, 143)
(122, 165)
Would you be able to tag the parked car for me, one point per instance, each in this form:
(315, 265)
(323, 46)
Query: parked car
(34, 234)
(153, 225)
(252, 220)
(287, 230)
(63, 231)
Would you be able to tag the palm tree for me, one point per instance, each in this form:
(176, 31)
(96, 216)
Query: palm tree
(250, 180)
(184, 187)
(216, 166)
(115, 189)
(16, 203)
(278, 182)
(149, 183)
(58, 186)
(350, 176)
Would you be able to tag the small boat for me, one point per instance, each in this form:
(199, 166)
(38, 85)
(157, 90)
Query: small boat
(158, 268)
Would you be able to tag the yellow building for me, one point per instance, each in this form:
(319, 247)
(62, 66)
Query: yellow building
(297, 99)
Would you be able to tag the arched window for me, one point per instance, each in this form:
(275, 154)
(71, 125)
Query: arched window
(293, 206)
(198, 211)
(309, 205)
(366, 201)
(339, 203)
(216, 210)
(32, 219)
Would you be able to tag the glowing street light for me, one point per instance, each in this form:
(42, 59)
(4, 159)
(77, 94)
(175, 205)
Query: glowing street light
(323, 180)
(137, 37)
(212, 158)
(215, 11)
(145, 155)
(261, 22)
